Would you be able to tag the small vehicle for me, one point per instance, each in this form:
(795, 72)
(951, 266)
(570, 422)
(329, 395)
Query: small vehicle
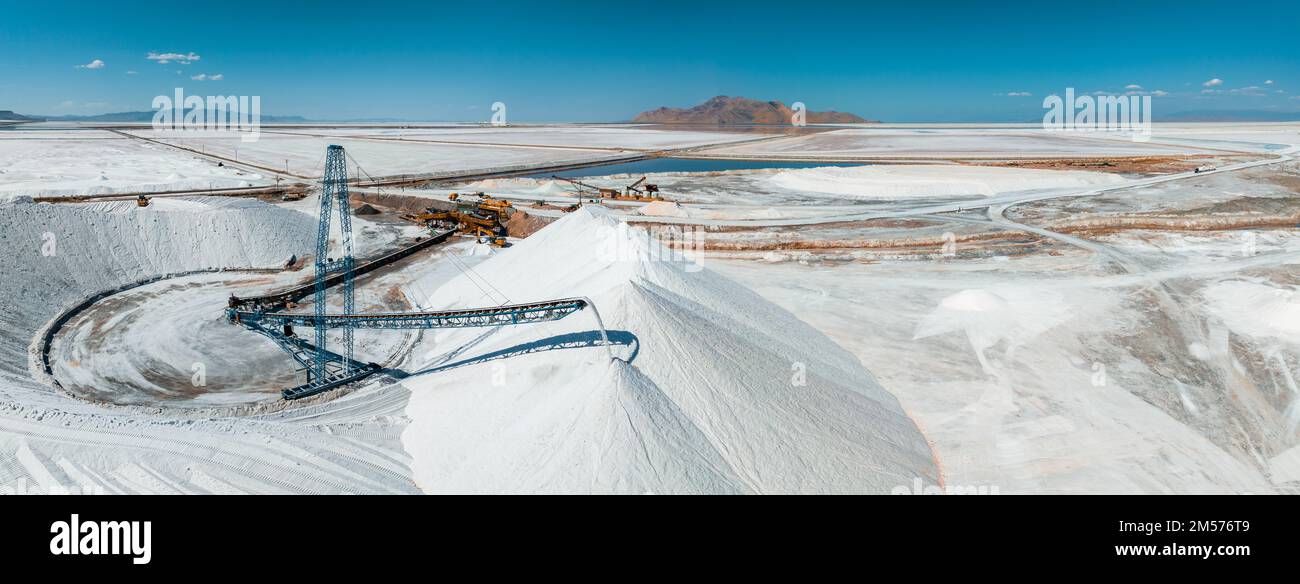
(1205, 168)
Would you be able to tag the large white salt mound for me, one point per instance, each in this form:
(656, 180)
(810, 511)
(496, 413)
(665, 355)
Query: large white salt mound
(905, 181)
(714, 399)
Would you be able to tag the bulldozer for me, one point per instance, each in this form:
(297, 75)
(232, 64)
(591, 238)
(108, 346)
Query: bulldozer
(142, 201)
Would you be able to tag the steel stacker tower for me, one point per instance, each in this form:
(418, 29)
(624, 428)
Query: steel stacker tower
(334, 189)
(327, 369)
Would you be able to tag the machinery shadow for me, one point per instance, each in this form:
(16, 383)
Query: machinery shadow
(578, 340)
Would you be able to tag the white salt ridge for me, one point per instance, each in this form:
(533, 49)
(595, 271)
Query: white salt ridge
(711, 403)
(907, 181)
(663, 209)
(551, 188)
(1014, 316)
(1257, 310)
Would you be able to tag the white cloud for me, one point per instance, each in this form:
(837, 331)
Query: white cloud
(1213, 82)
(165, 58)
(1253, 90)
(206, 77)
(71, 105)
(95, 64)
(199, 77)
(1015, 94)
(1133, 89)
(1268, 82)
(132, 73)
(217, 77)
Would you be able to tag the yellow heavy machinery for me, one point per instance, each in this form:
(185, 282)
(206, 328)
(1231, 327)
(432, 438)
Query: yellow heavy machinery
(471, 220)
(485, 204)
(469, 223)
(429, 217)
(497, 207)
(142, 201)
(485, 236)
(540, 204)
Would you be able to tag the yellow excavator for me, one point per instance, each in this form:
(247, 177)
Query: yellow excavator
(485, 236)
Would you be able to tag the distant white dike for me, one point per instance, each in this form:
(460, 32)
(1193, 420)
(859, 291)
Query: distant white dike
(179, 112)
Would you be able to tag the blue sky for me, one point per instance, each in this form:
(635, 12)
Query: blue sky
(606, 61)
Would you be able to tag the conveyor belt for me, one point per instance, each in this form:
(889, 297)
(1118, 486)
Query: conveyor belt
(281, 299)
(470, 317)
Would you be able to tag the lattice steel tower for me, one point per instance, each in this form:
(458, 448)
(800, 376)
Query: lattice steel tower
(334, 189)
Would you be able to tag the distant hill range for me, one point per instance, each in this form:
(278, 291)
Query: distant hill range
(1230, 116)
(147, 117)
(9, 116)
(724, 110)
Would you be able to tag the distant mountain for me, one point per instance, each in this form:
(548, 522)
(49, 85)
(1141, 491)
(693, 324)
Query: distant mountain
(1230, 116)
(7, 116)
(724, 110)
(146, 117)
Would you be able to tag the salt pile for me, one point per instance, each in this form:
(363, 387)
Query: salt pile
(662, 209)
(724, 393)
